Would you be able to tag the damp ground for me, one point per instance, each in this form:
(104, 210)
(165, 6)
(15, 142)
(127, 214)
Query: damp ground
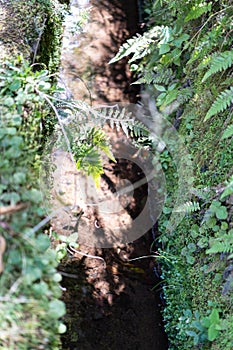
(113, 302)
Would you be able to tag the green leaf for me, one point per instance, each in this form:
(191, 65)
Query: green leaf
(160, 87)
(69, 239)
(61, 251)
(228, 132)
(19, 178)
(214, 316)
(221, 213)
(57, 277)
(42, 242)
(191, 333)
(212, 332)
(164, 48)
(7, 131)
(10, 197)
(62, 328)
(15, 85)
(205, 322)
(222, 102)
(197, 11)
(40, 289)
(56, 309)
(32, 274)
(178, 42)
(9, 102)
(219, 62)
(32, 195)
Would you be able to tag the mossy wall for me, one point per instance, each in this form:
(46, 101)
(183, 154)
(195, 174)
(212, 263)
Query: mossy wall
(30, 309)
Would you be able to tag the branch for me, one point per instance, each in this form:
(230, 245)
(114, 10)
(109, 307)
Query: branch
(13, 208)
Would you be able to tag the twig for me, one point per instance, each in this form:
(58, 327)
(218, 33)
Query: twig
(72, 250)
(2, 250)
(39, 39)
(150, 256)
(47, 99)
(145, 257)
(17, 300)
(12, 208)
(47, 219)
(66, 274)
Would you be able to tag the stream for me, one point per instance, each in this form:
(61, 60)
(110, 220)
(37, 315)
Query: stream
(110, 298)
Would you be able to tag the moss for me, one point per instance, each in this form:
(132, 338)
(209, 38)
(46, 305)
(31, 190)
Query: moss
(32, 29)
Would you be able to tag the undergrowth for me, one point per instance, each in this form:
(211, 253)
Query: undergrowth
(185, 58)
(30, 311)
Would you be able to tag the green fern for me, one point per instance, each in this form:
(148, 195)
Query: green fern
(223, 101)
(218, 63)
(86, 149)
(198, 10)
(188, 207)
(139, 45)
(223, 244)
(228, 132)
(228, 189)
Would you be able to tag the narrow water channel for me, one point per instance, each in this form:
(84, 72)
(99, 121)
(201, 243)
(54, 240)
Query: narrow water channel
(112, 306)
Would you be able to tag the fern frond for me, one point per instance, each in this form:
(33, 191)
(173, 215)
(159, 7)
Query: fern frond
(218, 63)
(185, 95)
(139, 45)
(223, 101)
(188, 207)
(228, 132)
(224, 244)
(163, 76)
(197, 11)
(201, 193)
(228, 189)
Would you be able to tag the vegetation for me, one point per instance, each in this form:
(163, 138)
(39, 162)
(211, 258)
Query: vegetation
(31, 110)
(30, 308)
(184, 57)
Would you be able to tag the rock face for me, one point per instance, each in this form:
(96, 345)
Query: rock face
(27, 26)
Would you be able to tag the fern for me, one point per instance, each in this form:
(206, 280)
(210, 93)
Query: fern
(188, 207)
(218, 63)
(223, 101)
(163, 75)
(228, 132)
(139, 45)
(81, 113)
(197, 11)
(222, 244)
(78, 118)
(86, 149)
(228, 189)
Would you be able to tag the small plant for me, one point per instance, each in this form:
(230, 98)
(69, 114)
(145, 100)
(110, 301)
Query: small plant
(206, 328)
(86, 149)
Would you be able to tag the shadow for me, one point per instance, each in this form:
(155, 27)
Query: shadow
(111, 25)
(112, 307)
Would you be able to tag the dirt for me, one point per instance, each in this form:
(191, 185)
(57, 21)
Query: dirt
(112, 301)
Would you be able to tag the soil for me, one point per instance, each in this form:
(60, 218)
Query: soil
(112, 301)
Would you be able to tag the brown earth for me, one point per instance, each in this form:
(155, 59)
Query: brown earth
(111, 302)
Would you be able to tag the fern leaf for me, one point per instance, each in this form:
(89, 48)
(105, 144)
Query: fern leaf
(223, 245)
(188, 207)
(218, 63)
(228, 189)
(228, 132)
(139, 45)
(223, 101)
(197, 11)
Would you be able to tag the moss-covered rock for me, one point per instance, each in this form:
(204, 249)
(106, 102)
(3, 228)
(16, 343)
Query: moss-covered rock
(32, 29)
